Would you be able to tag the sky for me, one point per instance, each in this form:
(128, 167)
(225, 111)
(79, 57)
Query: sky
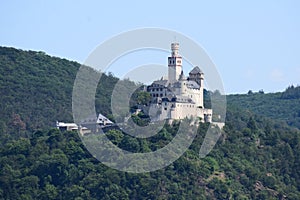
(254, 44)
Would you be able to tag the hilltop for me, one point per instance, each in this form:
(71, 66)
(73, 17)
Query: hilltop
(283, 106)
(256, 157)
(36, 90)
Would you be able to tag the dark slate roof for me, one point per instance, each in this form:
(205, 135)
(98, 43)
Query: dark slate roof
(192, 85)
(184, 99)
(160, 82)
(196, 70)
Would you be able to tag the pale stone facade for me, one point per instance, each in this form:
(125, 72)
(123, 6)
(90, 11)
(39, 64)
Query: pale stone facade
(178, 97)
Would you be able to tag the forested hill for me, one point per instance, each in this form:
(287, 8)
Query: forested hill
(36, 90)
(284, 106)
(255, 157)
(35, 87)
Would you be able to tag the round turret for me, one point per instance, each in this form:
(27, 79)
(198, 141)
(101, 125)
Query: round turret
(175, 48)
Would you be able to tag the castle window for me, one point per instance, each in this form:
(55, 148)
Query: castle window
(165, 108)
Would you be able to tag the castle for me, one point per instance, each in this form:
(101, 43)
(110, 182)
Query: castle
(178, 97)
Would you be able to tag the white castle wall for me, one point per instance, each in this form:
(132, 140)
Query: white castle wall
(188, 93)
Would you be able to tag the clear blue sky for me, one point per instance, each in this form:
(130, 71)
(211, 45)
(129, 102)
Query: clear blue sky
(255, 44)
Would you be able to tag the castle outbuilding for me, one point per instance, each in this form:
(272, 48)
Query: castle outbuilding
(177, 96)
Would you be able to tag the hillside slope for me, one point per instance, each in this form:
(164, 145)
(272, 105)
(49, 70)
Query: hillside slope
(36, 90)
(284, 106)
(36, 87)
(256, 157)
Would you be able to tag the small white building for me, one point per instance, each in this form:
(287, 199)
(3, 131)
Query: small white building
(87, 125)
(66, 126)
(178, 96)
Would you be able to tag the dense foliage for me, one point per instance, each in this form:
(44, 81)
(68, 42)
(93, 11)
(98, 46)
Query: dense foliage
(256, 157)
(291, 92)
(36, 90)
(36, 87)
(278, 106)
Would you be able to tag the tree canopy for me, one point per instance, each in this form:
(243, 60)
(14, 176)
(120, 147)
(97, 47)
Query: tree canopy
(256, 157)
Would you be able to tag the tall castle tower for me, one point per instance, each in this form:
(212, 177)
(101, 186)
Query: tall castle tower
(179, 96)
(174, 64)
(198, 76)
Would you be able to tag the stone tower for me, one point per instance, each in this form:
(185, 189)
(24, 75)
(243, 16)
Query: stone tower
(174, 64)
(198, 76)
